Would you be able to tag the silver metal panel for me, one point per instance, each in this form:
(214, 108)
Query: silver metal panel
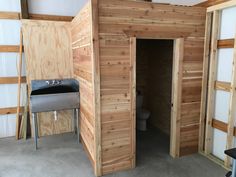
(54, 102)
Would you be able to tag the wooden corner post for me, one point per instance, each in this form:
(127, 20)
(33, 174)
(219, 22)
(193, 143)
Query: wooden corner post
(96, 86)
(176, 97)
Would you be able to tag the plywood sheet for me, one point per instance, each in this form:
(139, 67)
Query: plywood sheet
(48, 56)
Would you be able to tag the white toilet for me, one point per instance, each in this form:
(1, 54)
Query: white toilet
(142, 115)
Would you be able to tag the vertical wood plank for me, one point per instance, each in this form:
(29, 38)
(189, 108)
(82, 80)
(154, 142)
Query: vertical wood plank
(212, 78)
(96, 86)
(133, 98)
(176, 97)
(205, 81)
(232, 109)
(24, 9)
(19, 87)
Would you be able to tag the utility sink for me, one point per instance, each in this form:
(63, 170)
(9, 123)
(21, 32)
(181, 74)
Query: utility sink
(52, 95)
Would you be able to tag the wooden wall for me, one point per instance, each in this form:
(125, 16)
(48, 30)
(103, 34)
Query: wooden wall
(210, 3)
(83, 71)
(118, 21)
(154, 79)
(48, 54)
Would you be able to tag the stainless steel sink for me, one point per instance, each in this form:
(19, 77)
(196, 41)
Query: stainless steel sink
(54, 95)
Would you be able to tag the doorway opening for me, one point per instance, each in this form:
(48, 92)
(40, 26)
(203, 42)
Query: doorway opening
(154, 69)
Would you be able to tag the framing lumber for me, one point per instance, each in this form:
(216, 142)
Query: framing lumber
(205, 80)
(9, 48)
(226, 43)
(24, 9)
(11, 110)
(11, 80)
(222, 6)
(219, 125)
(133, 97)
(10, 15)
(225, 86)
(232, 109)
(212, 77)
(210, 3)
(96, 84)
(50, 17)
(176, 97)
(19, 86)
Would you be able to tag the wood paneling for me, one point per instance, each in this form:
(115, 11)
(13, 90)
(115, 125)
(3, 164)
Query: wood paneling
(84, 71)
(48, 56)
(119, 20)
(154, 67)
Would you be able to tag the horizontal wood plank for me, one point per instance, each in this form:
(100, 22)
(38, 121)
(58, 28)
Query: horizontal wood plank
(221, 6)
(11, 110)
(226, 43)
(9, 48)
(10, 15)
(50, 17)
(11, 80)
(225, 86)
(221, 126)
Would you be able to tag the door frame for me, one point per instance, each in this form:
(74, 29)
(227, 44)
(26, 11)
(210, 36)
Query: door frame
(176, 98)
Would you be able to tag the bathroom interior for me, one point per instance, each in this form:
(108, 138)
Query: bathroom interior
(154, 62)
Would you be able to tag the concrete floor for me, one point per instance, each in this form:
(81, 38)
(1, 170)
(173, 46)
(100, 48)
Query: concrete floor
(61, 156)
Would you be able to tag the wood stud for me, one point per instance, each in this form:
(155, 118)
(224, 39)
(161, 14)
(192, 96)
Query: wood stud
(212, 78)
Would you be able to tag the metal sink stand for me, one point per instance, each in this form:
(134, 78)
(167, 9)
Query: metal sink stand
(75, 119)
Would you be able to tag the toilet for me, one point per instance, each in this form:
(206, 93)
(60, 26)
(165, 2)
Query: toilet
(142, 115)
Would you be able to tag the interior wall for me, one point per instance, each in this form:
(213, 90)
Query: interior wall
(47, 47)
(154, 79)
(83, 71)
(224, 70)
(118, 21)
(10, 35)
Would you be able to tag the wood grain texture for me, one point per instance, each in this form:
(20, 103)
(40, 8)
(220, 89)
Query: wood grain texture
(118, 21)
(48, 56)
(13, 110)
(50, 17)
(226, 43)
(84, 49)
(10, 15)
(211, 3)
(206, 58)
(212, 78)
(11, 80)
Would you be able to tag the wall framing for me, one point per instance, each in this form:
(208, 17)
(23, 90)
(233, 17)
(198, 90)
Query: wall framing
(214, 85)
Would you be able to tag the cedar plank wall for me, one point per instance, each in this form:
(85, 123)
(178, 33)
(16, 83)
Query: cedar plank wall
(82, 61)
(48, 56)
(119, 19)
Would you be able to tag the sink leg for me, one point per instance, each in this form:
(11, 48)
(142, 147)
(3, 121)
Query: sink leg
(234, 168)
(34, 115)
(77, 123)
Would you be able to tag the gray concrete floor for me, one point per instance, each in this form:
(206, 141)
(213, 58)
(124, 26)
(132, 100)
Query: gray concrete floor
(61, 156)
